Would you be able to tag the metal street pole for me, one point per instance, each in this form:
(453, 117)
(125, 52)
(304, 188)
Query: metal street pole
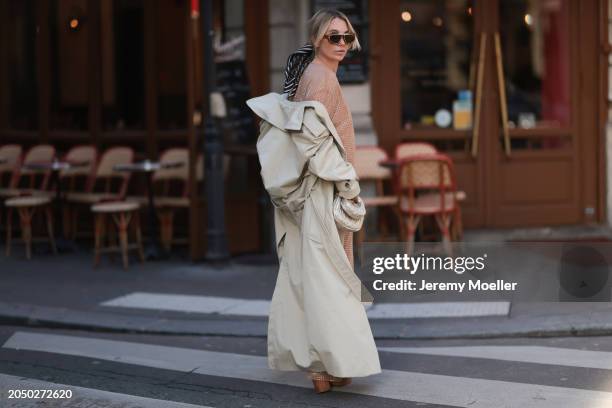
(216, 242)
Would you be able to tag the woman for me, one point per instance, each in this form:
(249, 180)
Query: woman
(331, 37)
(317, 322)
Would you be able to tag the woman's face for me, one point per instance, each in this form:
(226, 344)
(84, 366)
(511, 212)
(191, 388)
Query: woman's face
(335, 52)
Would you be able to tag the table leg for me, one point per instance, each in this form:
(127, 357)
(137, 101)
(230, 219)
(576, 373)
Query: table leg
(61, 242)
(153, 250)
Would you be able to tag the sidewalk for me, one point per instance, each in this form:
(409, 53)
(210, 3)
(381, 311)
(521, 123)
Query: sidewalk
(65, 291)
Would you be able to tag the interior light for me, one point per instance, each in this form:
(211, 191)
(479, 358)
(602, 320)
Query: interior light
(75, 19)
(406, 16)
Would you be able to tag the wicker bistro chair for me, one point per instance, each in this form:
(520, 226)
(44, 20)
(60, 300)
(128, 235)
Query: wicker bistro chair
(123, 214)
(408, 149)
(31, 181)
(426, 186)
(10, 161)
(77, 179)
(106, 184)
(26, 207)
(88, 156)
(11, 156)
(27, 194)
(368, 168)
(167, 203)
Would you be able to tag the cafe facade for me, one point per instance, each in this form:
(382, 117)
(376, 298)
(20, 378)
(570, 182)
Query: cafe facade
(530, 76)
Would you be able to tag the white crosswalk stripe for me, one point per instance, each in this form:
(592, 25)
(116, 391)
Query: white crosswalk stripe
(247, 307)
(401, 385)
(80, 397)
(527, 354)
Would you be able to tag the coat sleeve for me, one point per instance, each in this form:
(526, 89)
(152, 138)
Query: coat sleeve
(317, 144)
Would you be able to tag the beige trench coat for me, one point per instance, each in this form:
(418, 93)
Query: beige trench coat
(317, 321)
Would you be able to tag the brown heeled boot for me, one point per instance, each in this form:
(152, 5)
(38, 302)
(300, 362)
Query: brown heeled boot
(321, 381)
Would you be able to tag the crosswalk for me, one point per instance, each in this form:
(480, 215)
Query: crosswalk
(526, 354)
(396, 384)
(260, 308)
(80, 397)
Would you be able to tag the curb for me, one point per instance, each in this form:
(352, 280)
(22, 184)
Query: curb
(239, 326)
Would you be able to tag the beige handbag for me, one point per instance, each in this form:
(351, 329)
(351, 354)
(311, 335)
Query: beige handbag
(348, 213)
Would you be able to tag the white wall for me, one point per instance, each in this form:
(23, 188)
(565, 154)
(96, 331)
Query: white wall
(287, 33)
(609, 168)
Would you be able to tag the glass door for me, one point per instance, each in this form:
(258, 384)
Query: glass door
(436, 41)
(495, 85)
(535, 177)
(423, 78)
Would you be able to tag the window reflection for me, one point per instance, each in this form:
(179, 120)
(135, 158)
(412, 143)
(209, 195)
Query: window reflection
(535, 49)
(122, 33)
(18, 65)
(436, 44)
(69, 30)
(171, 57)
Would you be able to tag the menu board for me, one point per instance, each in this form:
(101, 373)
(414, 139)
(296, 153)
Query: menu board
(232, 81)
(354, 68)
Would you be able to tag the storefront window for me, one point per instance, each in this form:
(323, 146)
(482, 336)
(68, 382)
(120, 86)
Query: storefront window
(69, 30)
(436, 45)
(535, 49)
(18, 65)
(122, 37)
(171, 57)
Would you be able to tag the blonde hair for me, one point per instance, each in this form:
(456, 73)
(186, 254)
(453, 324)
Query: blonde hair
(320, 21)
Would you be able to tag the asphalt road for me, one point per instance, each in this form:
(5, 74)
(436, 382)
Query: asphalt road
(135, 370)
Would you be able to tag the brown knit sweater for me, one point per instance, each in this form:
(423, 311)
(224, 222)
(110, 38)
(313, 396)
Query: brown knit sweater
(320, 83)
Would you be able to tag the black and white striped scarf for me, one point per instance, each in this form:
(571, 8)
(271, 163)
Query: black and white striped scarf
(296, 63)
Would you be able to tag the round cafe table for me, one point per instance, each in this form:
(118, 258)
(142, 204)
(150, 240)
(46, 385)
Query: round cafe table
(153, 250)
(56, 166)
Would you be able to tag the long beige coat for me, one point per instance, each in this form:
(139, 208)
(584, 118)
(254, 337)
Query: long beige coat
(317, 321)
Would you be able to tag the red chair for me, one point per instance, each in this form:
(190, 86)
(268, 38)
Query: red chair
(409, 149)
(426, 186)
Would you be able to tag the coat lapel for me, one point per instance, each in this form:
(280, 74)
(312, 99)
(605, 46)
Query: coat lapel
(284, 114)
